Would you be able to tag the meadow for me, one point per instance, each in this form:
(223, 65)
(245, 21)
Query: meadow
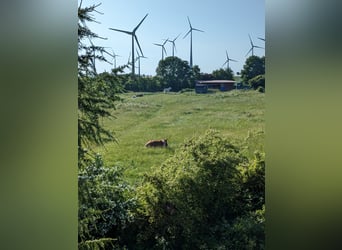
(178, 117)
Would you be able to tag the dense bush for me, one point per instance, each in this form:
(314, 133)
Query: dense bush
(209, 195)
(258, 83)
(143, 83)
(104, 206)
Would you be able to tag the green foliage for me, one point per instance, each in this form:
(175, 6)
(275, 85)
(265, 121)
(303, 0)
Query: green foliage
(246, 232)
(104, 208)
(104, 205)
(144, 84)
(258, 82)
(196, 72)
(223, 74)
(199, 198)
(96, 99)
(175, 73)
(96, 94)
(206, 77)
(253, 177)
(104, 243)
(253, 67)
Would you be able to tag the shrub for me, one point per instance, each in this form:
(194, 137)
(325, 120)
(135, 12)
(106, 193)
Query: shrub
(104, 206)
(202, 198)
(258, 83)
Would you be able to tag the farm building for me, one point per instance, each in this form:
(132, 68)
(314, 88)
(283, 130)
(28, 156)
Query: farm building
(201, 88)
(223, 85)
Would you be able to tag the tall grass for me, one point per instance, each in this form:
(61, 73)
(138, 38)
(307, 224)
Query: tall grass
(178, 117)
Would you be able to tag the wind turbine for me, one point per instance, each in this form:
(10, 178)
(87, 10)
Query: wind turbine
(190, 31)
(138, 59)
(173, 45)
(163, 47)
(114, 57)
(132, 33)
(263, 39)
(253, 46)
(227, 61)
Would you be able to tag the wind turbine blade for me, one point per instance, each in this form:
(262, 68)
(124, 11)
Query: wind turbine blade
(139, 24)
(165, 41)
(258, 47)
(197, 30)
(164, 50)
(224, 63)
(249, 51)
(158, 44)
(176, 37)
(227, 55)
(123, 31)
(232, 60)
(189, 23)
(136, 39)
(263, 39)
(250, 39)
(187, 33)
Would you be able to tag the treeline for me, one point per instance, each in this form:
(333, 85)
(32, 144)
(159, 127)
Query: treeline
(177, 74)
(171, 72)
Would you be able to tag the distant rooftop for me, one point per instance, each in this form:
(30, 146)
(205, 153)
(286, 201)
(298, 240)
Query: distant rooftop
(216, 82)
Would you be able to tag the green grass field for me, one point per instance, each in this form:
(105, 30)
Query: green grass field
(177, 117)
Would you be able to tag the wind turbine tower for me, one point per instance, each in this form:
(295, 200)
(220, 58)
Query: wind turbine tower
(138, 59)
(134, 37)
(190, 31)
(114, 58)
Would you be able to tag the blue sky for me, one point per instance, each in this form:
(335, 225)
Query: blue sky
(226, 25)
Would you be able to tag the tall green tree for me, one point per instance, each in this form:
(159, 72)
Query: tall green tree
(196, 73)
(103, 204)
(174, 72)
(96, 95)
(253, 67)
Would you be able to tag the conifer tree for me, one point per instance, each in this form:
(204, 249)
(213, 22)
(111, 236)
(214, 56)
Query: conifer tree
(103, 203)
(96, 96)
